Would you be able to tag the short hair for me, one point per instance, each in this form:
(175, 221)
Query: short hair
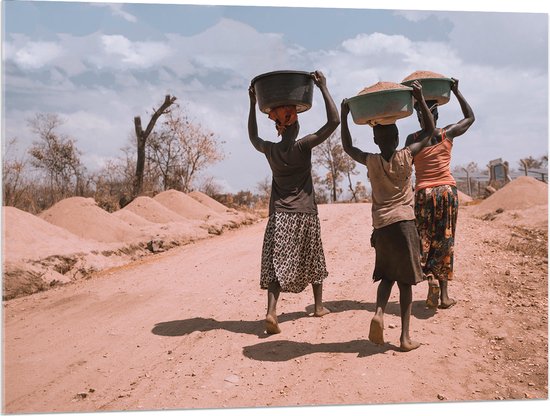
(385, 130)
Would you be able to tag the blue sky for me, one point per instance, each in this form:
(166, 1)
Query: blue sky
(98, 65)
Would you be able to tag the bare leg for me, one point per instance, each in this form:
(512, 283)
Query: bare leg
(271, 323)
(376, 332)
(433, 292)
(446, 301)
(405, 303)
(320, 310)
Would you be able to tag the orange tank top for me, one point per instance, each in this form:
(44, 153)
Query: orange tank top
(433, 165)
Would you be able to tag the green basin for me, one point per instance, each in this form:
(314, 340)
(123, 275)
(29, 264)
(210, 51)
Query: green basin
(434, 89)
(381, 107)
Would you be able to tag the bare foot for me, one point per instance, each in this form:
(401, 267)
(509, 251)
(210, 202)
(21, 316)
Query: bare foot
(321, 312)
(409, 345)
(446, 304)
(433, 295)
(271, 325)
(376, 333)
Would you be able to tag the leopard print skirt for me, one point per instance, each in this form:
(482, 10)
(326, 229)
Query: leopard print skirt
(292, 252)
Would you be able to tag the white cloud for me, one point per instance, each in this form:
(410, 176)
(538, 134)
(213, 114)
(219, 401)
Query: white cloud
(134, 54)
(34, 55)
(209, 73)
(375, 43)
(232, 46)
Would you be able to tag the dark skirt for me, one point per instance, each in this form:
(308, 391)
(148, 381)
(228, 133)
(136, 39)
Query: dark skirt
(292, 252)
(397, 253)
(436, 211)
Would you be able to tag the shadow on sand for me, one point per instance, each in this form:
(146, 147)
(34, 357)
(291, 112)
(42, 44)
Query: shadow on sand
(419, 309)
(187, 326)
(183, 327)
(287, 350)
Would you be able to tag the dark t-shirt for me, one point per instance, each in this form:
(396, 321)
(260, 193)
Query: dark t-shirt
(292, 186)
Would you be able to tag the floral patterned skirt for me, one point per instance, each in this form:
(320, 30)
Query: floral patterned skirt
(292, 252)
(436, 211)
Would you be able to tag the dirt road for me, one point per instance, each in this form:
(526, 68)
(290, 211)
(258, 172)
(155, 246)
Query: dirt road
(184, 330)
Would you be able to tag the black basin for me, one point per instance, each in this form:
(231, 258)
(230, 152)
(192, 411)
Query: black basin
(277, 88)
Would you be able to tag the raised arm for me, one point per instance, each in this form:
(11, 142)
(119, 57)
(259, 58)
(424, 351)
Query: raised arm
(356, 154)
(427, 118)
(458, 129)
(333, 118)
(257, 142)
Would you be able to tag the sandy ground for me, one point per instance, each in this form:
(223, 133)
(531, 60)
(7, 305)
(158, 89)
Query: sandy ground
(183, 329)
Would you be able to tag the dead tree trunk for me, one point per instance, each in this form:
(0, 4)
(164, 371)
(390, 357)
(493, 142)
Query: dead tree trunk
(141, 137)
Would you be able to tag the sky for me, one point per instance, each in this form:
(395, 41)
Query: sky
(98, 65)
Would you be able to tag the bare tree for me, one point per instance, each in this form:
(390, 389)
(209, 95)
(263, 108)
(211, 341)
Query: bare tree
(14, 181)
(321, 188)
(264, 190)
(330, 155)
(141, 138)
(325, 156)
(210, 187)
(56, 155)
(199, 148)
(347, 166)
(361, 192)
(165, 153)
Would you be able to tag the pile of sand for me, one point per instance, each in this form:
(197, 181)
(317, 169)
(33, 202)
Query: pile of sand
(28, 237)
(523, 192)
(535, 217)
(84, 218)
(463, 199)
(152, 210)
(209, 202)
(131, 218)
(75, 238)
(382, 86)
(184, 205)
(423, 74)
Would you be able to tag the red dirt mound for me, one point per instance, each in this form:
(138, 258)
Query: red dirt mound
(27, 236)
(184, 205)
(464, 199)
(152, 210)
(84, 218)
(521, 193)
(131, 218)
(209, 202)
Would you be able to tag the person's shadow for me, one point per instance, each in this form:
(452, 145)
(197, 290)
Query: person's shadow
(419, 309)
(187, 326)
(285, 350)
(183, 327)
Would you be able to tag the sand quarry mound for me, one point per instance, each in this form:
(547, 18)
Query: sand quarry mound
(84, 218)
(209, 202)
(521, 193)
(75, 238)
(464, 199)
(185, 205)
(152, 210)
(30, 237)
(131, 218)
